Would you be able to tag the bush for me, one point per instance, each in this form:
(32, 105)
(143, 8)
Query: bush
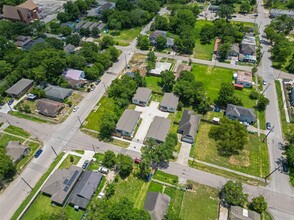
(71, 159)
(254, 95)
(258, 204)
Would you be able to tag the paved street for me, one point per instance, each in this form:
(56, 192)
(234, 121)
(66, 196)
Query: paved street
(67, 135)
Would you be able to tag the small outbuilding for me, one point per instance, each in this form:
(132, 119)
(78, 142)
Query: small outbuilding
(19, 88)
(142, 96)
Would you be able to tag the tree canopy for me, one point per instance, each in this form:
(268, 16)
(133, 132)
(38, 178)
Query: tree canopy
(233, 193)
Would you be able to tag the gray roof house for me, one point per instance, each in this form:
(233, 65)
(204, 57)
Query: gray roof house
(189, 126)
(19, 88)
(32, 43)
(240, 113)
(60, 184)
(104, 7)
(169, 102)
(127, 122)
(16, 151)
(158, 129)
(239, 213)
(234, 51)
(156, 204)
(142, 96)
(85, 189)
(69, 48)
(57, 93)
(278, 12)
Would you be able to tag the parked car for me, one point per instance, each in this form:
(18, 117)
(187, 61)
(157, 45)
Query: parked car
(97, 81)
(10, 101)
(75, 108)
(268, 126)
(101, 195)
(285, 167)
(103, 170)
(263, 82)
(37, 154)
(137, 161)
(85, 164)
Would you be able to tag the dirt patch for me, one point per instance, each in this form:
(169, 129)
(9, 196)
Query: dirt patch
(138, 62)
(110, 176)
(240, 160)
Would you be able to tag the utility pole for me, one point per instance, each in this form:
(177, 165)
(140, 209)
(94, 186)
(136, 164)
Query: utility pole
(79, 120)
(93, 148)
(265, 89)
(104, 86)
(126, 61)
(54, 151)
(26, 183)
(268, 134)
(9, 106)
(265, 179)
(8, 122)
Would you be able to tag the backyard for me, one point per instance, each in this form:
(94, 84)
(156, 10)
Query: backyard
(125, 37)
(202, 51)
(252, 160)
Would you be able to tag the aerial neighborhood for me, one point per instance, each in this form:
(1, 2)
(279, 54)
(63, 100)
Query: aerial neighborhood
(146, 110)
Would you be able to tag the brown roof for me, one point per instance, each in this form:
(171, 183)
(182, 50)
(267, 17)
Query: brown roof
(48, 107)
(29, 4)
(15, 13)
(216, 44)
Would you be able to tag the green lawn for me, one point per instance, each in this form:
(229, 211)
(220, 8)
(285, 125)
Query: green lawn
(165, 177)
(66, 163)
(106, 104)
(17, 131)
(202, 51)
(120, 143)
(28, 117)
(96, 164)
(252, 160)
(155, 187)
(176, 200)
(126, 36)
(152, 83)
(202, 198)
(5, 138)
(80, 151)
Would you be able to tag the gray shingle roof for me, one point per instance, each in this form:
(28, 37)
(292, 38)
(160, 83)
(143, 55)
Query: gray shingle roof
(189, 123)
(69, 48)
(142, 94)
(57, 92)
(61, 182)
(128, 120)
(85, 188)
(239, 213)
(18, 87)
(156, 204)
(15, 150)
(169, 100)
(159, 128)
(238, 111)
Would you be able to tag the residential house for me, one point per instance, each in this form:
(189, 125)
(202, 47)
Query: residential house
(87, 25)
(105, 7)
(101, 26)
(26, 12)
(248, 49)
(49, 108)
(19, 88)
(69, 48)
(157, 205)
(182, 67)
(154, 35)
(158, 129)
(159, 67)
(169, 102)
(142, 96)
(57, 93)
(85, 189)
(239, 213)
(244, 78)
(240, 113)
(61, 183)
(128, 122)
(189, 126)
(22, 41)
(213, 8)
(74, 74)
(32, 43)
(292, 96)
(170, 42)
(278, 12)
(234, 51)
(79, 25)
(16, 150)
(68, 24)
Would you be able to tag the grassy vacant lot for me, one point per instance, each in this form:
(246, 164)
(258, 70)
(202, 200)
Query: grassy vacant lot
(67, 163)
(202, 51)
(105, 104)
(42, 205)
(126, 36)
(96, 164)
(152, 83)
(17, 131)
(252, 160)
(165, 177)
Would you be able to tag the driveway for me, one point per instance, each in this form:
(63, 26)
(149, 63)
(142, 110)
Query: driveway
(147, 114)
(184, 154)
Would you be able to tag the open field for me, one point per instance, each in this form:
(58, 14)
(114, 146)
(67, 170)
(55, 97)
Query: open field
(202, 51)
(125, 37)
(252, 160)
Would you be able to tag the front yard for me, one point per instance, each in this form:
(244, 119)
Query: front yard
(252, 160)
(125, 37)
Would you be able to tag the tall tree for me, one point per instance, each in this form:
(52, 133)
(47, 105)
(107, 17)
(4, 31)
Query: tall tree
(124, 164)
(233, 193)
(226, 95)
(258, 204)
(109, 159)
(225, 11)
(161, 42)
(107, 126)
(167, 80)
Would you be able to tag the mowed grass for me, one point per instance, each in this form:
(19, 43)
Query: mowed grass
(252, 160)
(165, 177)
(93, 120)
(152, 82)
(5, 138)
(126, 36)
(202, 51)
(17, 131)
(200, 204)
(67, 163)
(155, 187)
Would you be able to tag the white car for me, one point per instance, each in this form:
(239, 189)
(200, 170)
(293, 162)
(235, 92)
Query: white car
(101, 195)
(263, 82)
(75, 108)
(103, 170)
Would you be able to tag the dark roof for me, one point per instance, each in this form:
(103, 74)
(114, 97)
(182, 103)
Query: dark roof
(48, 107)
(181, 68)
(235, 48)
(156, 204)
(57, 92)
(169, 100)
(238, 111)
(106, 6)
(128, 120)
(142, 94)
(32, 43)
(157, 33)
(189, 123)
(247, 48)
(159, 128)
(22, 40)
(15, 150)
(85, 188)
(239, 213)
(61, 182)
(18, 87)
(80, 24)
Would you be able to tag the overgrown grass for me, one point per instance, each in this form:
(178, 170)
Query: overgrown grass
(252, 160)
(126, 36)
(28, 117)
(5, 138)
(152, 82)
(202, 51)
(165, 177)
(36, 188)
(17, 131)
(176, 200)
(80, 151)
(120, 143)
(67, 162)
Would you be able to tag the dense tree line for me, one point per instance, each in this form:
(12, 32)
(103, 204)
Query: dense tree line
(290, 151)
